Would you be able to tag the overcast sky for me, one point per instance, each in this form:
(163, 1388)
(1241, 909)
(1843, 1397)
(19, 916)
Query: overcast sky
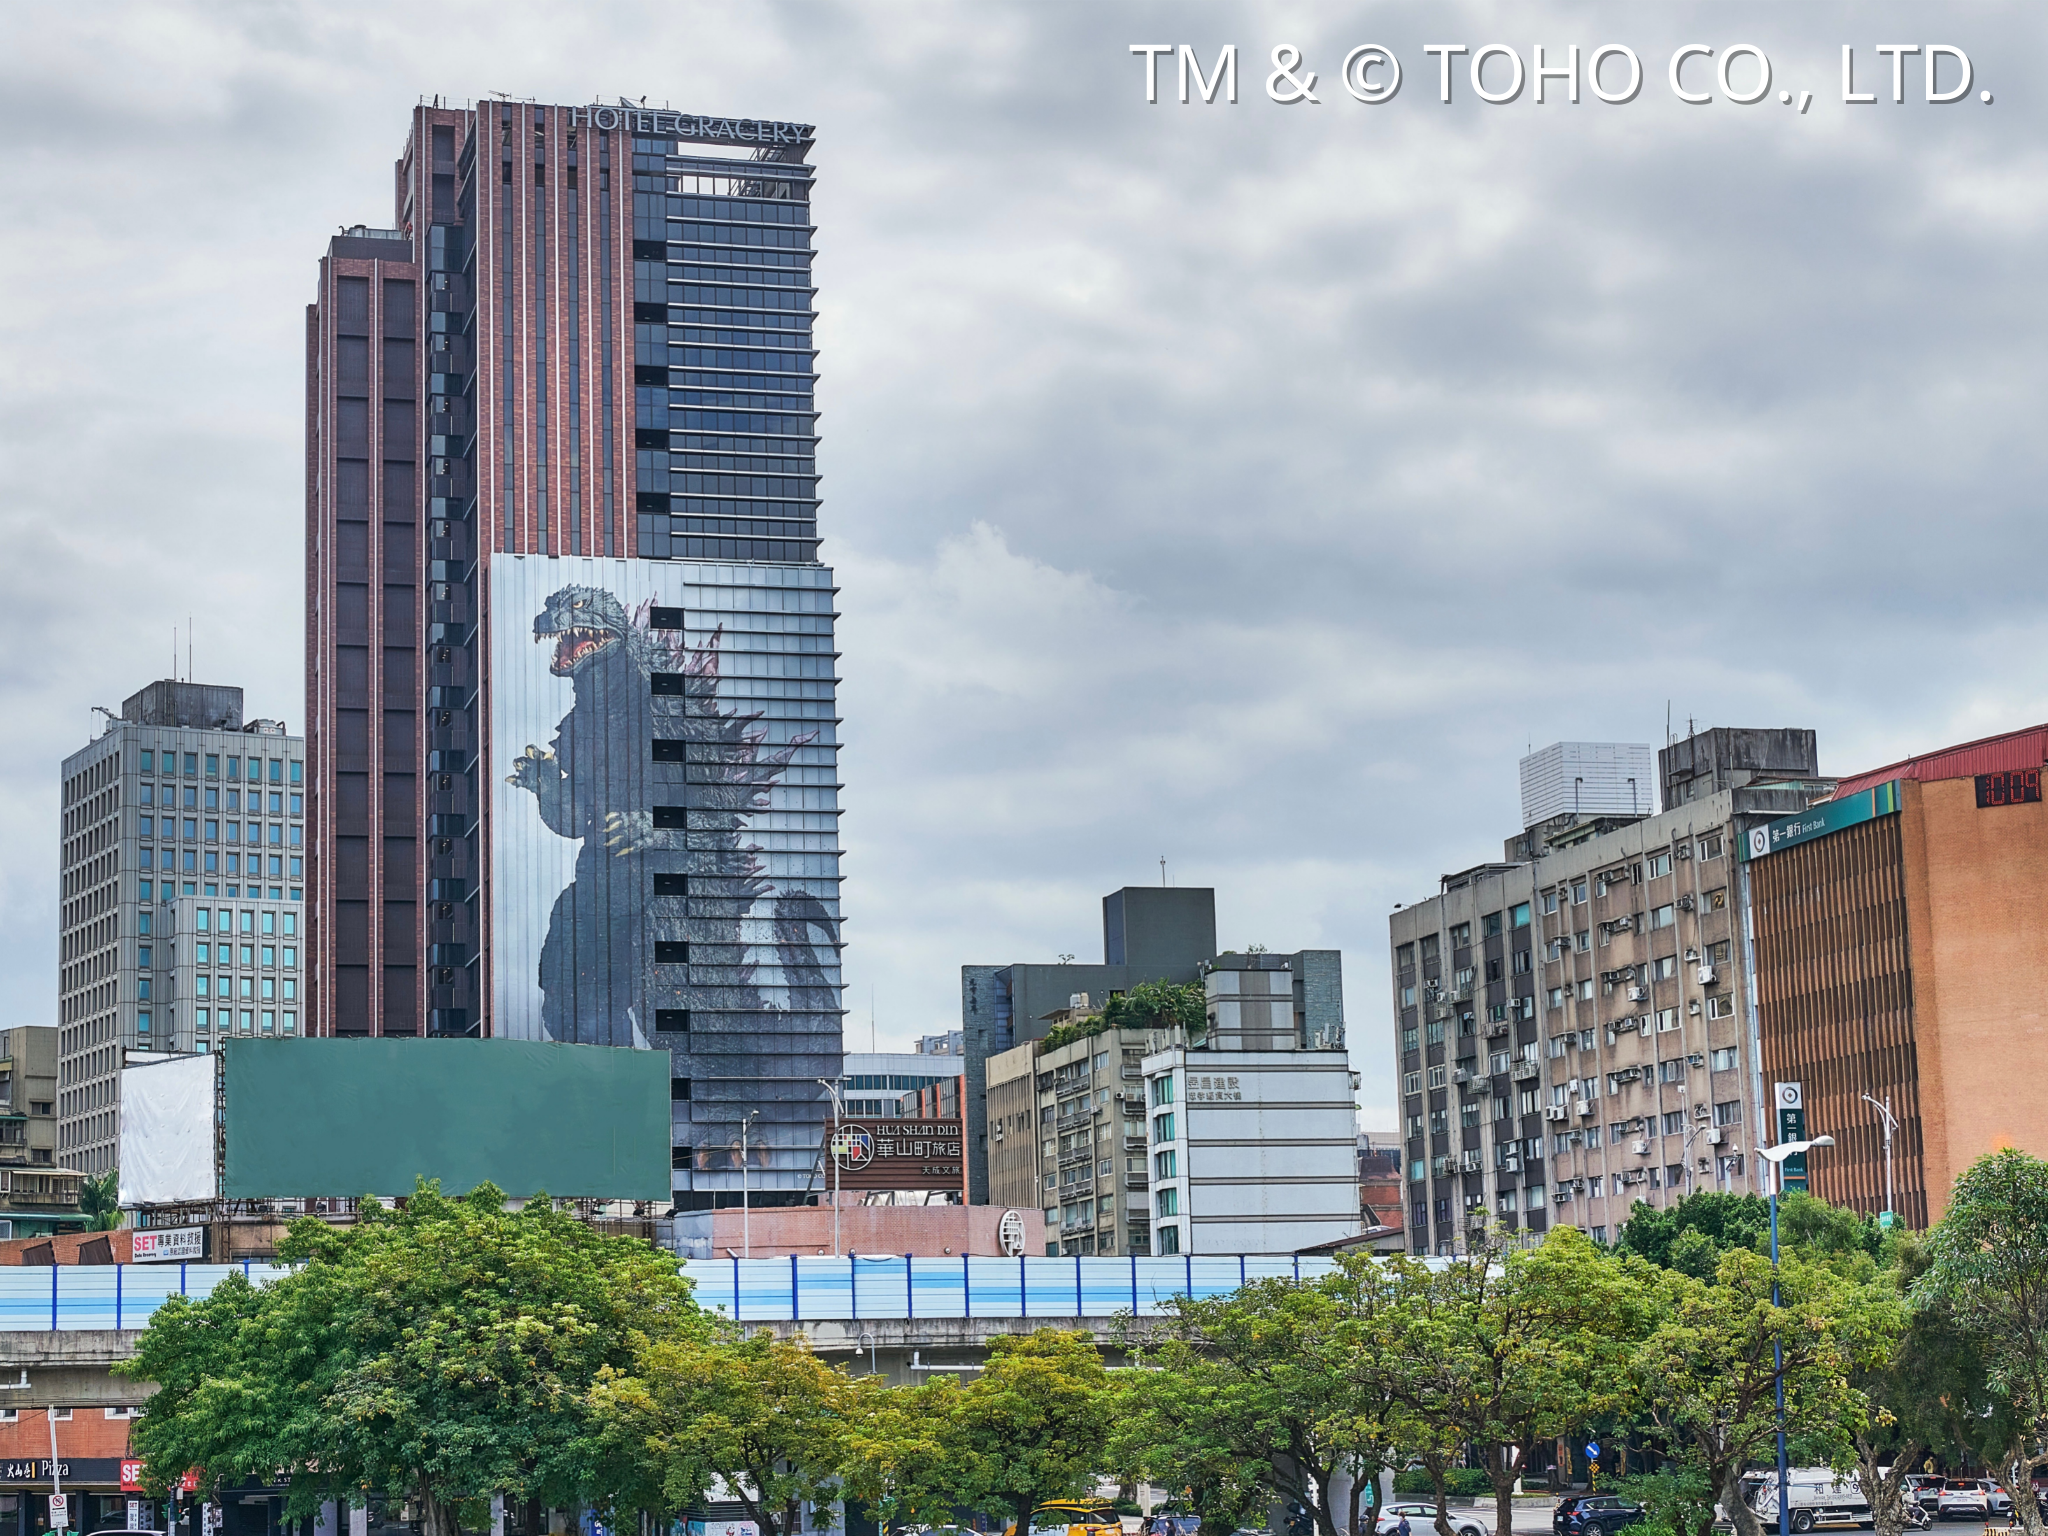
(1244, 485)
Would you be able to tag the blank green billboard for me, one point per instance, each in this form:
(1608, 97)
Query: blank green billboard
(354, 1117)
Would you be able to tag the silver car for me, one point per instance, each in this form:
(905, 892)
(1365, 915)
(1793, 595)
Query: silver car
(1422, 1520)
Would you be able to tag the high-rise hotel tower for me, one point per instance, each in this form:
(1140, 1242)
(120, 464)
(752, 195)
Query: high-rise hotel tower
(569, 653)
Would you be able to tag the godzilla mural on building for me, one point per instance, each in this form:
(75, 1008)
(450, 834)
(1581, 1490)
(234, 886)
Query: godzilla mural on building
(681, 909)
(598, 781)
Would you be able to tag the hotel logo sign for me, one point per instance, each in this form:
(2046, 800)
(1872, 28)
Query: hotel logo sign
(690, 126)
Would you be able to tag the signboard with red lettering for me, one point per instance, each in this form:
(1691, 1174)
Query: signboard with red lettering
(894, 1154)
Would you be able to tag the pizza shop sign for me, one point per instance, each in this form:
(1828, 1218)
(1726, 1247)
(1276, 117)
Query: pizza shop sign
(896, 1154)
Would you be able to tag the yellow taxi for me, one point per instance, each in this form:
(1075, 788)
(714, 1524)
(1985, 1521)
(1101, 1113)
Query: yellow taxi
(1071, 1517)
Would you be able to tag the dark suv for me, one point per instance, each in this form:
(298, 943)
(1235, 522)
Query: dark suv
(1594, 1514)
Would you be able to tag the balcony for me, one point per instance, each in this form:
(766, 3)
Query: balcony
(1137, 1181)
(1131, 1075)
(1134, 1143)
(1527, 1071)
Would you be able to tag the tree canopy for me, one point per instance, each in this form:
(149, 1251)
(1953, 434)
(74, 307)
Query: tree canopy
(1990, 1274)
(445, 1351)
(452, 1350)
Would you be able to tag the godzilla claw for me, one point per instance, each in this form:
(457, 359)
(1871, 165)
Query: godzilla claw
(628, 831)
(526, 767)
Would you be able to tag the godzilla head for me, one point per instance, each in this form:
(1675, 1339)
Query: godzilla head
(584, 623)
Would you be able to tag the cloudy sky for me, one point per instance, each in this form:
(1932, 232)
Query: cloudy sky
(1248, 486)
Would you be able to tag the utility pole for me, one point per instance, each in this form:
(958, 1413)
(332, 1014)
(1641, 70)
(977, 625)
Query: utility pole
(1776, 1156)
(838, 1113)
(746, 1213)
(1891, 1124)
(56, 1470)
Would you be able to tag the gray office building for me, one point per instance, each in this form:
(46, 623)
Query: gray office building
(1164, 933)
(1575, 1028)
(182, 855)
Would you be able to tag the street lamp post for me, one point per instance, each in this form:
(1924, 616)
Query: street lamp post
(1776, 1156)
(746, 1212)
(1891, 1123)
(838, 1114)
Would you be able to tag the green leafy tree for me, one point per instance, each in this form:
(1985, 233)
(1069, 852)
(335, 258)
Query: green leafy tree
(1914, 1373)
(760, 1417)
(1990, 1271)
(1706, 1372)
(99, 1200)
(1691, 1235)
(1517, 1347)
(1158, 1005)
(892, 1450)
(444, 1352)
(1169, 1429)
(1034, 1425)
(1148, 1005)
(1269, 1392)
(1678, 1501)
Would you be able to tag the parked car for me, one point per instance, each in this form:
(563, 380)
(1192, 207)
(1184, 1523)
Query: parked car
(1963, 1499)
(1595, 1515)
(1996, 1499)
(1422, 1520)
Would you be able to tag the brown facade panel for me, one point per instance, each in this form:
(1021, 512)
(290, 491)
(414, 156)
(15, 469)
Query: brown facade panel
(1907, 957)
(1835, 1006)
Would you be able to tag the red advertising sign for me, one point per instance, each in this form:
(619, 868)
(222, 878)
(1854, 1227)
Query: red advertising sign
(894, 1154)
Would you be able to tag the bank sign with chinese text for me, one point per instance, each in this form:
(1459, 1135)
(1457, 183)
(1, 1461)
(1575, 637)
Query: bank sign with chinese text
(895, 1154)
(1820, 820)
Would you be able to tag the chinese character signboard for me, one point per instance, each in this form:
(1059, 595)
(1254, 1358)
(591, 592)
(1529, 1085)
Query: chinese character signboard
(1214, 1089)
(895, 1154)
(1791, 1104)
(163, 1245)
(1820, 820)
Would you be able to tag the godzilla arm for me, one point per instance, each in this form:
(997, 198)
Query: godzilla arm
(540, 771)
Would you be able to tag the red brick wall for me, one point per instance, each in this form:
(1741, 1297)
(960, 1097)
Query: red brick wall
(88, 1432)
(66, 1246)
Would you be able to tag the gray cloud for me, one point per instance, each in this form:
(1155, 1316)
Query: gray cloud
(1244, 485)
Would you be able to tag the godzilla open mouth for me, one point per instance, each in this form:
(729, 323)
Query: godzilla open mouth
(576, 645)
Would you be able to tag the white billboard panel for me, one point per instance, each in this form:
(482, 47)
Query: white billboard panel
(167, 1131)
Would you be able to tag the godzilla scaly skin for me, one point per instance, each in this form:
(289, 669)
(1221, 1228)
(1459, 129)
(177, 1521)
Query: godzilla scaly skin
(596, 782)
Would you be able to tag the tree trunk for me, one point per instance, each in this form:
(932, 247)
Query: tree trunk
(1361, 1476)
(2015, 1475)
(1324, 1509)
(1727, 1479)
(1503, 1467)
(1439, 1477)
(437, 1515)
(1882, 1491)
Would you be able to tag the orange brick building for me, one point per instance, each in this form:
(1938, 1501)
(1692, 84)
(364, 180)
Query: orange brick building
(1901, 951)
